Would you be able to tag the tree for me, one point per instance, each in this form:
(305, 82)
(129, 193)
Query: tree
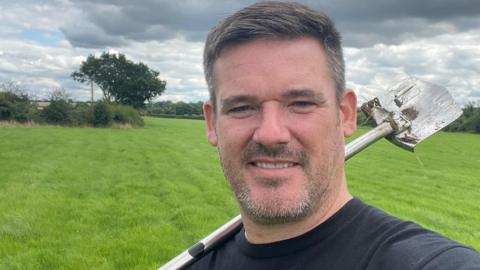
(121, 80)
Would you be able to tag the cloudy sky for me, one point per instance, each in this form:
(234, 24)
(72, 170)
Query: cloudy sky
(43, 42)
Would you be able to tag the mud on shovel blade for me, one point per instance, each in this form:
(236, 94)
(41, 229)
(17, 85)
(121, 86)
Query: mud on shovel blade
(411, 111)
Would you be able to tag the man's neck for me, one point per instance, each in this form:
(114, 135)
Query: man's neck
(261, 233)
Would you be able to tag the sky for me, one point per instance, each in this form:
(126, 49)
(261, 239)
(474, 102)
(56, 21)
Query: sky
(43, 42)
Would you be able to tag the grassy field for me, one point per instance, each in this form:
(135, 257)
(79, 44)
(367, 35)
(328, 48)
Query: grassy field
(83, 198)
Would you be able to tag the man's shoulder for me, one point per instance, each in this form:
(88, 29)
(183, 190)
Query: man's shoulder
(418, 248)
(407, 245)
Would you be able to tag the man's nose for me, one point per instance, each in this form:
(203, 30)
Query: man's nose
(272, 128)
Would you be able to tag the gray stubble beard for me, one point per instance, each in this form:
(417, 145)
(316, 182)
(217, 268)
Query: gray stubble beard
(316, 191)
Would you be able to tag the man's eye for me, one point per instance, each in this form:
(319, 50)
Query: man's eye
(303, 103)
(303, 106)
(241, 110)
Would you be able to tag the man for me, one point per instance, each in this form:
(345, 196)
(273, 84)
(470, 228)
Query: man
(278, 114)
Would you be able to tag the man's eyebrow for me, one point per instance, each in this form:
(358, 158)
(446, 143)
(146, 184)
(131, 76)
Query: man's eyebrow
(308, 93)
(232, 100)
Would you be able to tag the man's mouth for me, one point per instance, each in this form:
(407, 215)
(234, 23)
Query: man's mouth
(273, 165)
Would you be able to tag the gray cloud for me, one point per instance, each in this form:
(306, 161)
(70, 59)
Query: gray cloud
(150, 20)
(363, 23)
(379, 10)
(88, 36)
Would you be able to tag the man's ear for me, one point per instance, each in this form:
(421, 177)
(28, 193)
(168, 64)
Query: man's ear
(348, 112)
(209, 113)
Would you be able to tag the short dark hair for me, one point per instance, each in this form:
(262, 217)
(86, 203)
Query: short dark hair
(275, 20)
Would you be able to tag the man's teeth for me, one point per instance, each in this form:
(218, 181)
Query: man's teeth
(280, 165)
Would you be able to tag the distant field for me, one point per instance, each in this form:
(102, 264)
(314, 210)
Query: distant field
(84, 198)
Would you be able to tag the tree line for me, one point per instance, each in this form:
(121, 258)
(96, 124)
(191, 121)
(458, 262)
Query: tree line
(180, 109)
(17, 106)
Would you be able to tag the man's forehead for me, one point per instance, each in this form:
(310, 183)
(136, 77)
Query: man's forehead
(273, 68)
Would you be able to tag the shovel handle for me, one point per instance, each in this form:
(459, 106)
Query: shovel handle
(204, 245)
(367, 139)
(231, 227)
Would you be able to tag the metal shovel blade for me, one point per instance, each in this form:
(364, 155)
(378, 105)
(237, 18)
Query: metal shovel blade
(428, 108)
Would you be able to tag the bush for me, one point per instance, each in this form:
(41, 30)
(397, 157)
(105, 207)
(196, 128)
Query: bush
(102, 114)
(82, 114)
(16, 107)
(58, 112)
(473, 122)
(123, 114)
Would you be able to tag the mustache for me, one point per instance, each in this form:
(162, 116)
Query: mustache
(254, 150)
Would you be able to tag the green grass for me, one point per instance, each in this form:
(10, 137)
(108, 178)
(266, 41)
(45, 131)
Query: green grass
(84, 198)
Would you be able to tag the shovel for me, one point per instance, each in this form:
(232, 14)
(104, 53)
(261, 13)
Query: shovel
(411, 111)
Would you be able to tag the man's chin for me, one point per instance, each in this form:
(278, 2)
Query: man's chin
(276, 218)
(277, 210)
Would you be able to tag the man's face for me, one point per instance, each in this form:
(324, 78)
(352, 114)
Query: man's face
(278, 128)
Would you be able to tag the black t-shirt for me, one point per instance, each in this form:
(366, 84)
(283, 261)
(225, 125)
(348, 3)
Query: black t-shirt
(358, 236)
